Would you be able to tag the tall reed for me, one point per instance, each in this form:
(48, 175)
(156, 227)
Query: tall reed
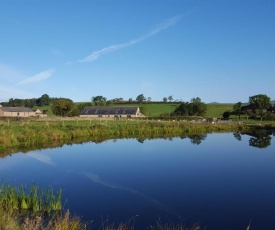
(16, 199)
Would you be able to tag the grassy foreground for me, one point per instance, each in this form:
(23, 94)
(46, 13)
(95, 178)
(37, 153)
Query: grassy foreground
(34, 209)
(15, 216)
(41, 209)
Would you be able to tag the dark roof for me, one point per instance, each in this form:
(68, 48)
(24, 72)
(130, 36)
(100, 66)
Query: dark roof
(109, 110)
(248, 107)
(16, 109)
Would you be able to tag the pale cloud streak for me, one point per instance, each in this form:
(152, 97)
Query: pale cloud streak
(42, 158)
(96, 179)
(8, 73)
(96, 54)
(8, 92)
(38, 77)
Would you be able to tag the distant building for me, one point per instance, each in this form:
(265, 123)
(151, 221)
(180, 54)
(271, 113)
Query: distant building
(249, 107)
(111, 111)
(39, 113)
(16, 112)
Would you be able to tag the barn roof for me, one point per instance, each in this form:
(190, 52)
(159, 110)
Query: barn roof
(16, 109)
(109, 110)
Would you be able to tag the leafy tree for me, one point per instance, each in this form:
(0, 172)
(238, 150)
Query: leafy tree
(197, 107)
(149, 99)
(74, 112)
(270, 116)
(130, 99)
(140, 98)
(43, 100)
(237, 108)
(250, 113)
(182, 109)
(170, 98)
(16, 102)
(81, 106)
(165, 99)
(261, 103)
(99, 100)
(226, 115)
(30, 102)
(62, 107)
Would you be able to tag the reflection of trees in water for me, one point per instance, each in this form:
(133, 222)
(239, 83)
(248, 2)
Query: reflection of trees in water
(140, 140)
(260, 138)
(197, 138)
(260, 142)
(238, 136)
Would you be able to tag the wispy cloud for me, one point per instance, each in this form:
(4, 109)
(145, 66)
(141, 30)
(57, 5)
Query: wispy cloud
(96, 54)
(96, 179)
(38, 77)
(8, 92)
(42, 158)
(8, 73)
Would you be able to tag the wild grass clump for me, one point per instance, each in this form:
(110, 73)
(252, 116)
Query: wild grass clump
(35, 209)
(36, 200)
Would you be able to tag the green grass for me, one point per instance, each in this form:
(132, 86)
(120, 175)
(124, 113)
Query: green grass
(37, 200)
(155, 110)
(216, 110)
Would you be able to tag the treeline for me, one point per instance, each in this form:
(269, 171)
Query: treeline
(259, 107)
(30, 103)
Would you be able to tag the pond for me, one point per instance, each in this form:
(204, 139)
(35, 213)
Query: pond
(221, 181)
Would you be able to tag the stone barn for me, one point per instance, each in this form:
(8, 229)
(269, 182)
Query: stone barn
(111, 112)
(16, 112)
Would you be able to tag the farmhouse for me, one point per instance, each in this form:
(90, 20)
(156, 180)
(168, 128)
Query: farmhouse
(16, 112)
(111, 111)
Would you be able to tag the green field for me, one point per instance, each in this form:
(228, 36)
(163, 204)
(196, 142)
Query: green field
(216, 109)
(154, 110)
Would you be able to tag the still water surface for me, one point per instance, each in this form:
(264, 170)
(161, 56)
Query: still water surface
(216, 180)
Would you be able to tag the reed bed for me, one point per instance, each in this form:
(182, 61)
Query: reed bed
(34, 209)
(35, 200)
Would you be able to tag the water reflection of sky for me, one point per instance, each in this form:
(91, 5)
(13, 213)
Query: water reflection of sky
(222, 182)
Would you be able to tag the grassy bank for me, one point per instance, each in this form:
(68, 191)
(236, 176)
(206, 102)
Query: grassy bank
(27, 133)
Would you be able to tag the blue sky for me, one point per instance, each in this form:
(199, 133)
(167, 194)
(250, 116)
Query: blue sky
(218, 50)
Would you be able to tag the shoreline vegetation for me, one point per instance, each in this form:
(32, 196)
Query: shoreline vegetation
(35, 134)
(24, 135)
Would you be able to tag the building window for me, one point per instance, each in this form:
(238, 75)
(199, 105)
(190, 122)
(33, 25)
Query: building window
(128, 115)
(17, 114)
